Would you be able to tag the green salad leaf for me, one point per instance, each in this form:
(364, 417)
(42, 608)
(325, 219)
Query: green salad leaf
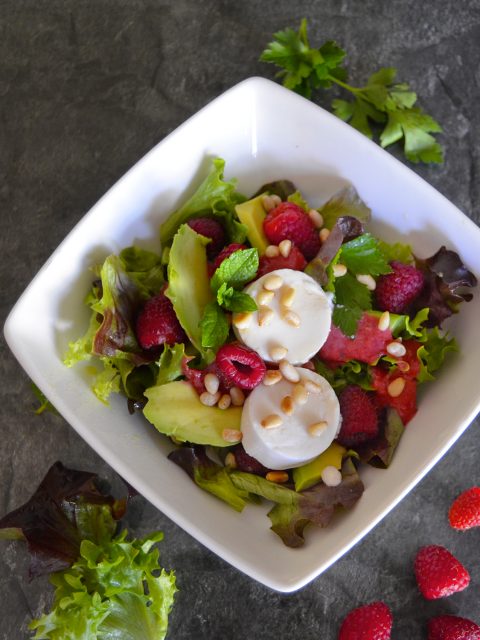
(170, 363)
(433, 351)
(362, 255)
(235, 271)
(214, 327)
(145, 268)
(396, 251)
(345, 202)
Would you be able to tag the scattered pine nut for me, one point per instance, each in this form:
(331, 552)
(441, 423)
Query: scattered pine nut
(331, 476)
(237, 396)
(384, 321)
(211, 383)
(288, 371)
(272, 282)
(285, 247)
(287, 405)
(396, 387)
(403, 366)
(339, 270)
(265, 297)
(311, 386)
(278, 353)
(225, 401)
(287, 296)
(367, 280)
(265, 316)
(268, 203)
(272, 251)
(242, 320)
(292, 318)
(323, 234)
(316, 217)
(272, 421)
(272, 377)
(396, 349)
(231, 435)
(300, 394)
(230, 460)
(209, 399)
(279, 477)
(317, 428)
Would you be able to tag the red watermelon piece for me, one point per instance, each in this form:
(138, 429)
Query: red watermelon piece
(368, 345)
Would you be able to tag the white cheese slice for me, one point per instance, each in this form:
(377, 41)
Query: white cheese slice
(291, 444)
(311, 306)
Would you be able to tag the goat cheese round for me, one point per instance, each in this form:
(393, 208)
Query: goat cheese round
(283, 428)
(293, 317)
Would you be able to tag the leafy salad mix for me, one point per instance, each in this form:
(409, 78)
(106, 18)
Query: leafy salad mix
(162, 334)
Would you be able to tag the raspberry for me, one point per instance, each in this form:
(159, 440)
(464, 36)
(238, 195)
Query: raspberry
(157, 323)
(406, 403)
(359, 417)
(395, 291)
(240, 366)
(294, 260)
(465, 510)
(371, 622)
(439, 573)
(289, 221)
(212, 229)
(367, 346)
(452, 628)
(226, 252)
(246, 463)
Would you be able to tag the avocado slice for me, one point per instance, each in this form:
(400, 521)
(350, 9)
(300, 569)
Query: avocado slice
(252, 214)
(188, 282)
(175, 410)
(311, 473)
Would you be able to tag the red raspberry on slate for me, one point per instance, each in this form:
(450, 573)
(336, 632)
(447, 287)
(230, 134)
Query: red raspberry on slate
(240, 366)
(289, 221)
(157, 323)
(212, 229)
(226, 252)
(405, 403)
(359, 417)
(452, 628)
(465, 510)
(371, 622)
(294, 260)
(439, 573)
(367, 346)
(395, 291)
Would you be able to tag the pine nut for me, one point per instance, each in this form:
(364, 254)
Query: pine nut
(323, 234)
(403, 366)
(230, 460)
(396, 349)
(272, 421)
(209, 399)
(279, 477)
(225, 401)
(287, 405)
(316, 217)
(231, 435)
(272, 377)
(317, 428)
(265, 316)
(331, 476)
(292, 318)
(211, 383)
(312, 387)
(242, 320)
(278, 353)
(272, 251)
(288, 371)
(287, 296)
(265, 297)
(276, 199)
(285, 247)
(300, 394)
(367, 280)
(384, 321)
(396, 387)
(237, 396)
(272, 282)
(339, 270)
(268, 203)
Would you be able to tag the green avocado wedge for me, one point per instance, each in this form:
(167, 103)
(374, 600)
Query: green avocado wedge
(175, 410)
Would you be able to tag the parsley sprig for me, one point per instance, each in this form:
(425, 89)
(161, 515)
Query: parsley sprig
(383, 101)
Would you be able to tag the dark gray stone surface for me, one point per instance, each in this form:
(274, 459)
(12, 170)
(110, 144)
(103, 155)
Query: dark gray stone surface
(86, 88)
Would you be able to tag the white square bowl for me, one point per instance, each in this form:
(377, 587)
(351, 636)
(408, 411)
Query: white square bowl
(264, 132)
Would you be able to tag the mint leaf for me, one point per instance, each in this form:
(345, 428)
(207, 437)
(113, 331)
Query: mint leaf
(239, 302)
(239, 268)
(362, 255)
(224, 293)
(214, 327)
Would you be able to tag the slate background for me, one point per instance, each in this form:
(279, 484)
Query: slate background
(86, 88)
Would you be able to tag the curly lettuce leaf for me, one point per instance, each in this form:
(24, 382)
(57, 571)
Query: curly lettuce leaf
(432, 353)
(145, 268)
(396, 251)
(352, 372)
(214, 197)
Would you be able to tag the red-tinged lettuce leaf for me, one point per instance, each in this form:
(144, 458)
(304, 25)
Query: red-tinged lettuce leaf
(67, 507)
(280, 188)
(446, 277)
(209, 475)
(379, 451)
(346, 202)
